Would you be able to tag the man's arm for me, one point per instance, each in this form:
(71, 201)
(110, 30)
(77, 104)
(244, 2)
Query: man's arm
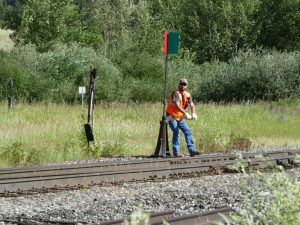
(193, 109)
(176, 101)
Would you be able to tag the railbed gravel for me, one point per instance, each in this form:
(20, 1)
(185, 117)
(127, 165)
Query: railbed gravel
(97, 204)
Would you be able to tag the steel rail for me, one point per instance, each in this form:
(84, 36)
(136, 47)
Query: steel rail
(206, 218)
(153, 217)
(9, 173)
(168, 169)
(69, 169)
(107, 177)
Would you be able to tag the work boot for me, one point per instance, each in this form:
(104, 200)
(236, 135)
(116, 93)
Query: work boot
(179, 155)
(192, 154)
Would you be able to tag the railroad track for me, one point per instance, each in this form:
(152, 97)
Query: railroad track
(153, 218)
(18, 181)
(204, 218)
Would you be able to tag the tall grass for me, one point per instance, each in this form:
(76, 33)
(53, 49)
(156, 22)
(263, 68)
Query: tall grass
(40, 133)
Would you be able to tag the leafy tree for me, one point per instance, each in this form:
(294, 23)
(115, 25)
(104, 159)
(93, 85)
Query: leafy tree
(169, 12)
(146, 31)
(114, 17)
(129, 30)
(41, 23)
(45, 23)
(11, 14)
(278, 24)
(216, 29)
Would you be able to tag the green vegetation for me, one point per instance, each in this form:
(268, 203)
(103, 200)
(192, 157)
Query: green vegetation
(223, 52)
(211, 29)
(140, 217)
(41, 133)
(233, 50)
(55, 76)
(274, 199)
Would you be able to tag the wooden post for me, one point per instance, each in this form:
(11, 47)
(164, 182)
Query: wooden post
(10, 93)
(90, 122)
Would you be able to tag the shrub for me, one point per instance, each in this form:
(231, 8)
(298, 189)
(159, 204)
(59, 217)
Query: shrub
(251, 76)
(28, 85)
(139, 77)
(18, 154)
(142, 77)
(68, 67)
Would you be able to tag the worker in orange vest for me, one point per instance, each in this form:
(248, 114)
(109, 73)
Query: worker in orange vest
(178, 105)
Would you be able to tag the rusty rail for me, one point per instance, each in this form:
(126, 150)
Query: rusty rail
(158, 218)
(153, 218)
(205, 218)
(42, 179)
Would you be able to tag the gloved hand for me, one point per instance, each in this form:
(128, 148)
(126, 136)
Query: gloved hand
(188, 116)
(194, 116)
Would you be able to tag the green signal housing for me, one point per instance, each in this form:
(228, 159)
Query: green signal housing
(173, 43)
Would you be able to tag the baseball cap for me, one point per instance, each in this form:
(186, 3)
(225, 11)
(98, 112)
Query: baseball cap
(183, 80)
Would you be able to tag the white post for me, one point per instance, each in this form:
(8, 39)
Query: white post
(82, 92)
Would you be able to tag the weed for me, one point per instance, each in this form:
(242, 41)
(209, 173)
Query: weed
(113, 148)
(274, 200)
(209, 143)
(93, 150)
(238, 143)
(34, 156)
(16, 154)
(140, 217)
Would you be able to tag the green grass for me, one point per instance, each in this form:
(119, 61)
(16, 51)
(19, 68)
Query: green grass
(30, 134)
(6, 43)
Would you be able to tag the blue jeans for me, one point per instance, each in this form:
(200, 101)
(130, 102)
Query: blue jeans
(183, 126)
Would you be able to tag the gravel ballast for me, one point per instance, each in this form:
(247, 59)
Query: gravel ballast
(98, 204)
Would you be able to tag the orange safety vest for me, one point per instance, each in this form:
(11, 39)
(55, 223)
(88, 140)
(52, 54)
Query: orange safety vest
(184, 102)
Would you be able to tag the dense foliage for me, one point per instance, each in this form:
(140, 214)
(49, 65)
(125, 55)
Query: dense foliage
(57, 41)
(56, 75)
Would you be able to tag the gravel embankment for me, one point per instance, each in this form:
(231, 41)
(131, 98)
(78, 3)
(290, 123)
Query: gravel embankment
(98, 204)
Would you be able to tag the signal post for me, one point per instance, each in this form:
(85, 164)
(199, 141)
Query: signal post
(171, 46)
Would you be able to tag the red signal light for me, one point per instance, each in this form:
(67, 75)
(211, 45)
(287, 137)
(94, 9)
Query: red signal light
(166, 38)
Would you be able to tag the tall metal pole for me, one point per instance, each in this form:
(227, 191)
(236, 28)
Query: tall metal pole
(164, 123)
(162, 147)
(171, 46)
(165, 87)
